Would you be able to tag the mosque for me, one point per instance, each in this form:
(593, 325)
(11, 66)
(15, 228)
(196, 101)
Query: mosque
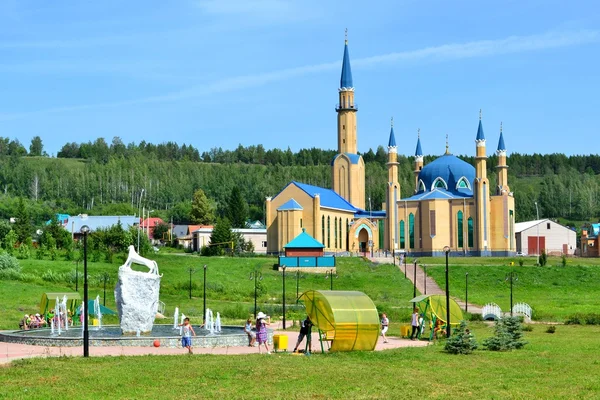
(452, 205)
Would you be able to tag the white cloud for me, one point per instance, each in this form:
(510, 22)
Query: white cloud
(482, 48)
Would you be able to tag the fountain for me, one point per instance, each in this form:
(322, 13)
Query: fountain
(136, 295)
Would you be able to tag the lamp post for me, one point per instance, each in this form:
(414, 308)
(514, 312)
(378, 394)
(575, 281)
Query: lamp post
(204, 296)
(139, 225)
(415, 279)
(256, 276)
(297, 286)
(85, 230)
(537, 213)
(447, 251)
(192, 270)
(512, 277)
(405, 277)
(466, 292)
(77, 275)
(105, 278)
(283, 296)
(330, 274)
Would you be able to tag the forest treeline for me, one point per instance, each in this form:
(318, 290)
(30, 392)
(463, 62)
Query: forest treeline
(102, 178)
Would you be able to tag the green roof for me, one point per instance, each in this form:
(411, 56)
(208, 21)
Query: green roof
(304, 241)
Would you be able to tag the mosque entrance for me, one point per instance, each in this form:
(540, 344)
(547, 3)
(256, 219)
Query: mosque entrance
(363, 240)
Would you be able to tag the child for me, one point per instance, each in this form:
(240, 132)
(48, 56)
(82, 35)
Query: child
(251, 335)
(385, 322)
(304, 332)
(414, 322)
(186, 338)
(261, 329)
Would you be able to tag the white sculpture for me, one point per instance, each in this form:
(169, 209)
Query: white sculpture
(136, 294)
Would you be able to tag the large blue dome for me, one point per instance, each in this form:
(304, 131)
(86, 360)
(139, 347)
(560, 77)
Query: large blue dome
(447, 173)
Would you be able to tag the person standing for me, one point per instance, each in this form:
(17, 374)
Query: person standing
(385, 323)
(305, 331)
(186, 336)
(414, 322)
(251, 335)
(261, 330)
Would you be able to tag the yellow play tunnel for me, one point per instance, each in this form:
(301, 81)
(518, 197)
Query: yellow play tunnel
(280, 342)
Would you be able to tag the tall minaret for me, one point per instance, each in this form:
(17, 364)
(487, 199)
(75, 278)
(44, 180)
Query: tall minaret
(502, 167)
(348, 167)
(392, 195)
(481, 193)
(418, 160)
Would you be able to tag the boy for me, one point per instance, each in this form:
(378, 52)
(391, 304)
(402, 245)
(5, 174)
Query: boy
(385, 323)
(186, 337)
(305, 332)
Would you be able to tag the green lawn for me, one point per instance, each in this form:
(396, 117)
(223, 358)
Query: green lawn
(552, 292)
(229, 289)
(559, 365)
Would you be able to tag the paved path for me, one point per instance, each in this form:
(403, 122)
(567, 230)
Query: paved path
(425, 284)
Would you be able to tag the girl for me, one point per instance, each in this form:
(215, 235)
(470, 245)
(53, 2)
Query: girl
(251, 335)
(261, 329)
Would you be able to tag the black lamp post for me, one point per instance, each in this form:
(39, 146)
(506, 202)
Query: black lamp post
(86, 333)
(330, 274)
(447, 251)
(105, 278)
(297, 286)
(77, 276)
(466, 292)
(512, 277)
(192, 270)
(256, 276)
(405, 277)
(204, 301)
(415, 279)
(283, 295)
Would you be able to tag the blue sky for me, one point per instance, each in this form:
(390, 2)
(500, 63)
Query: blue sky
(224, 72)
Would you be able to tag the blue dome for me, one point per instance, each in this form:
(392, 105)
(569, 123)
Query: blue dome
(448, 173)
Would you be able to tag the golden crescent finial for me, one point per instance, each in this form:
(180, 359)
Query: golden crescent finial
(447, 145)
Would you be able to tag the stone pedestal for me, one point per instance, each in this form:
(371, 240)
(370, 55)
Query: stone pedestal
(136, 295)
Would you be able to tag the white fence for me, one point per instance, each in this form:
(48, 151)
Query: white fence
(491, 311)
(522, 308)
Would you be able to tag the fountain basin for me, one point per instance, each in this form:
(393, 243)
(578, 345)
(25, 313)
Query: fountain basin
(110, 335)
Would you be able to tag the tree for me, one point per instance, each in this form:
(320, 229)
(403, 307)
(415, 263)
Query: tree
(201, 212)
(220, 238)
(4, 229)
(161, 231)
(181, 213)
(237, 208)
(23, 227)
(508, 335)
(36, 148)
(462, 341)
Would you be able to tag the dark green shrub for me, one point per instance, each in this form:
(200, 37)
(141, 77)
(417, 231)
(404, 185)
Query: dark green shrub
(507, 335)
(551, 329)
(475, 317)
(543, 258)
(527, 328)
(8, 262)
(96, 256)
(521, 262)
(462, 341)
(564, 260)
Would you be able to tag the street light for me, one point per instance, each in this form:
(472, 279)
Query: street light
(85, 230)
(283, 297)
(192, 270)
(330, 274)
(298, 276)
(447, 251)
(512, 277)
(466, 292)
(139, 205)
(204, 301)
(256, 276)
(537, 213)
(105, 278)
(415, 279)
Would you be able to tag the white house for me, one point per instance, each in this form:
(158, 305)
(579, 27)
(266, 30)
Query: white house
(552, 237)
(258, 237)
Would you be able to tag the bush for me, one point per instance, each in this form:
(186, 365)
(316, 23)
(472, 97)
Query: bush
(507, 335)
(527, 328)
(551, 329)
(462, 341)
(51, 276)
(521, 262)
(475, 317)
(8, 262)
(543, 258)
(10, 275)
(583, 319)
(564, 260)
(23, 252)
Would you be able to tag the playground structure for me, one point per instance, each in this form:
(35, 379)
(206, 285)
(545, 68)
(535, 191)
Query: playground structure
(348, 319)
(48, 301)
(432, 308)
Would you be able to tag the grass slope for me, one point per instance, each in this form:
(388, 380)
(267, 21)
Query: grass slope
(555, 366)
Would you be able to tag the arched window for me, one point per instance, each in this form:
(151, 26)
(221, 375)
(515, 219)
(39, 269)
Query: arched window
(421, 186)
(463, 183)
(300, 222)
(411, 231)
(402, 237)
(328, 232)
(347, 234)
(460, 231)
(335, 226)
(323, 229)
(470, 232)
(341, 236)
(439, 183)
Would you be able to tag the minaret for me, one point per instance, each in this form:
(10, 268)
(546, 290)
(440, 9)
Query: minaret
(393, 194)
(481, 193)
(502, 167)
(348, 167)
(418, 160)
(346, 108)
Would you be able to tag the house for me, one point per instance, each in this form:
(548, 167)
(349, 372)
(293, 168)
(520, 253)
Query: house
(148, 225)
(552, 237)
(590, 241)
(258, 237)
(182, 234)
(73, 224)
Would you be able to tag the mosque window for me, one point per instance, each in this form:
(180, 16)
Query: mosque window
(463, 183)
(439, 183)
(328, 232)
(341, 236)
(512, 228)
(470, 232)
(335, 226)
(421, 186)
(402, 237)
(323, 229)
(300, 222)
(460, 231)
(411, 231)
